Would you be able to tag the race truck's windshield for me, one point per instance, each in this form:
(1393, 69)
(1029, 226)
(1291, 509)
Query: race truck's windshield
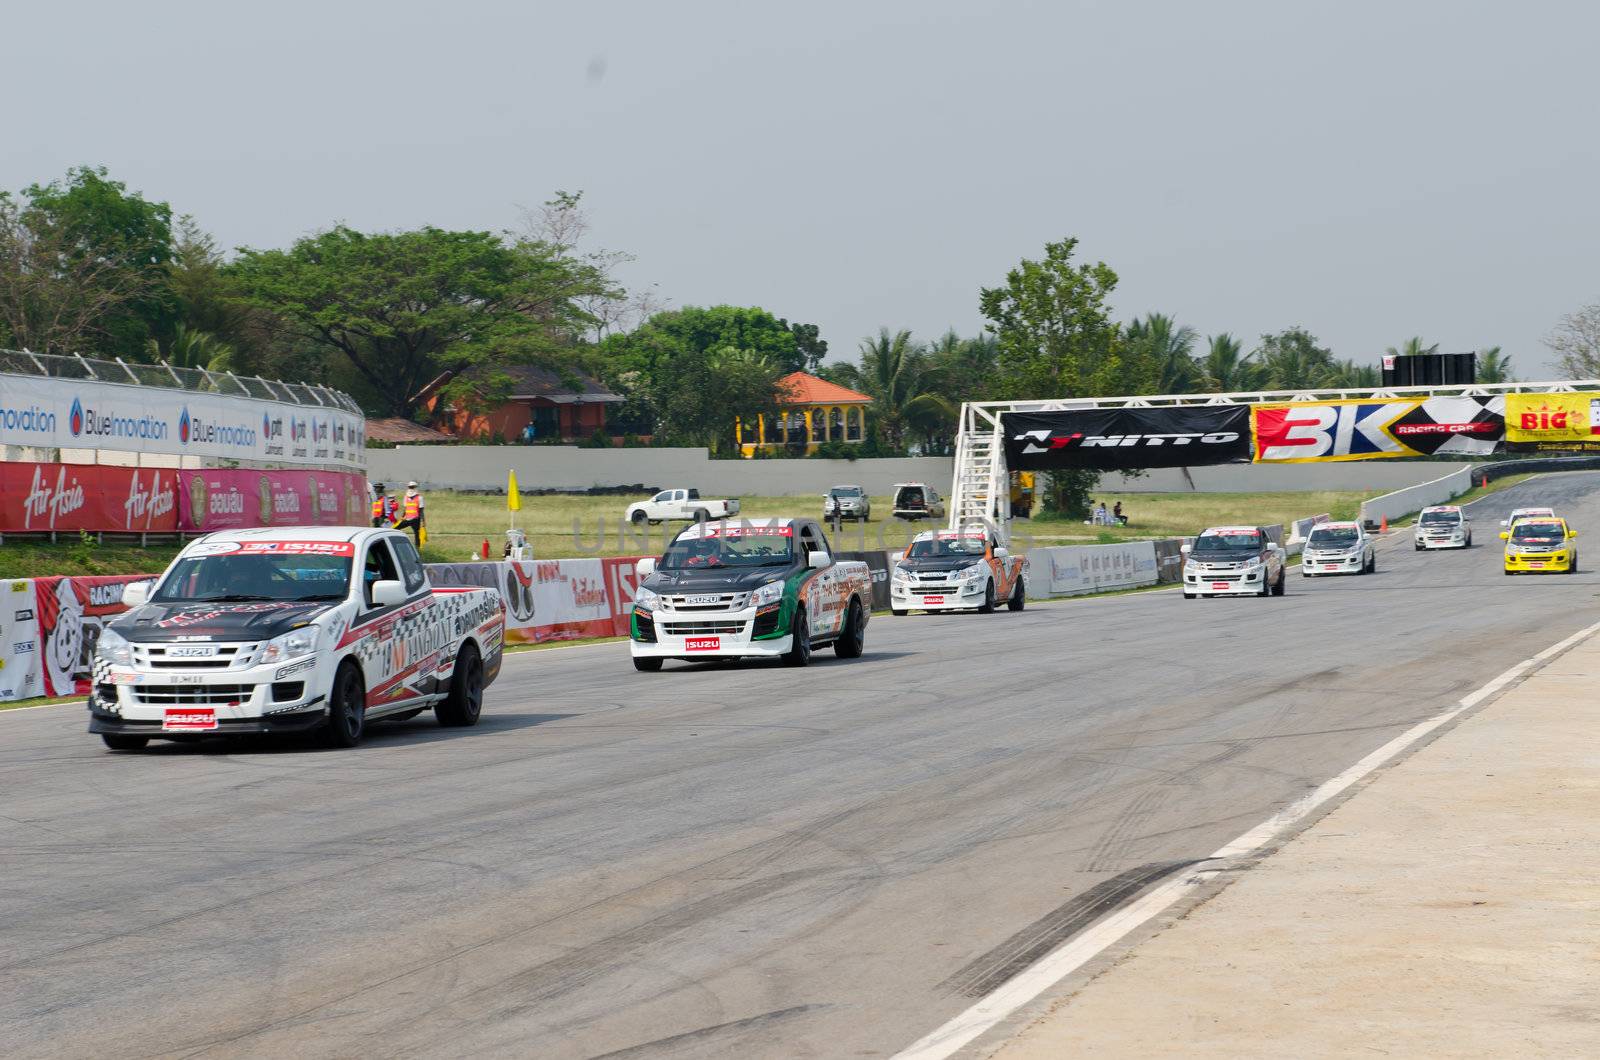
(733, 546)
(238, 576)
(948, 545)
(1334, 537)
(1538, 533)
(1440, 518)
(1224, 542)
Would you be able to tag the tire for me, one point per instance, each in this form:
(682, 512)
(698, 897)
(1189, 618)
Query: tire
(1509, 573)
(347, 708)
(853, 638)
(987, 607)
(1266, 586)
(1372, 567)
(1282, 582)
(799, 653)
(464, 705)
(1019, 595)
(647, 665)
(1418, 547)
(637, 518)
(897, 613)
(1188, 596)
(121, 741)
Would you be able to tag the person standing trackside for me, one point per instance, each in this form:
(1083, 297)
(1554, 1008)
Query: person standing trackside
(413, 513)
(382, 506)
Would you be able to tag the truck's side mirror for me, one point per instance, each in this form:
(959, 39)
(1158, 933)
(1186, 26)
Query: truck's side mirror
(136, 594)
(1505, 522)
(646, 566)
(1001, 552)
(1186, 549)
(389, 592)
(1503, 535)
(817, 559)
(1572, 533)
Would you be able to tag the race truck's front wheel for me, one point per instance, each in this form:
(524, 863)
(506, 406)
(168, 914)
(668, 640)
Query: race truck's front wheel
(645, 664)
(347, 708)
(1019, 596)
(987, 607)
(120, 741)
(853, 638)
(799, 653)
(465, 701)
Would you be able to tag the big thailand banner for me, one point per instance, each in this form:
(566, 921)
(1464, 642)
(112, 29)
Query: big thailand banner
(1127, 439)
(234, 498)
(1375, 429)
(85, 414)
(43, 498)
(1539, 423)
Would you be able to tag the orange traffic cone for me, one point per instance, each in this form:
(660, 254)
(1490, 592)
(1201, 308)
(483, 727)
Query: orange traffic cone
(1383, 527)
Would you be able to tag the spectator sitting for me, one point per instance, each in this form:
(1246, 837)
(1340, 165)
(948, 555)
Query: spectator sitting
(1116, 513)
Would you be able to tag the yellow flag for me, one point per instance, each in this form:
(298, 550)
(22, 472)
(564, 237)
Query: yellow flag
(422, 536)
(513, 498)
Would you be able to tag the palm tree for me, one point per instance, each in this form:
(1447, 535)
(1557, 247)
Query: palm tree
(1169, 348)
(1348, 375)
(1412, 347)
(1227, 369)
(894, 372)
(1292, 360)
(191, 348)
(1494, 366)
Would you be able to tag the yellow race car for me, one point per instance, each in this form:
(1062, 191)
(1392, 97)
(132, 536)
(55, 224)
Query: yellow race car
(1540, 545)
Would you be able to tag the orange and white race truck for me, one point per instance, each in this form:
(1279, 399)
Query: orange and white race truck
(294, 629)
(958, 570)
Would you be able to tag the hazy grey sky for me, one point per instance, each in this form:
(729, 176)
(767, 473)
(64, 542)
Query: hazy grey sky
(1368, 170)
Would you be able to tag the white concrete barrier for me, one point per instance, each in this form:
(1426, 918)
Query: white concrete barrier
(1440, 490)
(1069, 570)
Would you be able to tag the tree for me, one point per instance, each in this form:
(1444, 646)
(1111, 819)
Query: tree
(404, 307)
(1292, 360)
(1494, 366)
(1157, 338)
(702, 329)
(699, 394)
(810, 347)
(1412, 347)
(1226, 369)
(1348, 375)
(83, 267)
(1055, 339)
(1576, 343)
(190, 348)
(895, 372)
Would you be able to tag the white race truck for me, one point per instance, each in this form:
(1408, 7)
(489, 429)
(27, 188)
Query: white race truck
(292, 630)
(958, 570)
(1233, 561)
(679, 504)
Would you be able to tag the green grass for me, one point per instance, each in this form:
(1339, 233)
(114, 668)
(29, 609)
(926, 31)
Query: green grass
(1160, 515)
(26, 558)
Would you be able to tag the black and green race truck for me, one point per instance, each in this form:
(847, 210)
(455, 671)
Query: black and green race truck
(749, 588)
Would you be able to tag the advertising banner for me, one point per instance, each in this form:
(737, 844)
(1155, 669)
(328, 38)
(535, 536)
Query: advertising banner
(1538, 423)
(20, 676)
(1316, 431)
(87, 414)
(233, 498)
(1127, 439)
(878, 564)
(38, 498)
(1074, 569)
(552, 600)
(70, 613)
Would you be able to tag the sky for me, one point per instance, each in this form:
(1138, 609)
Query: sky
(1370, 171)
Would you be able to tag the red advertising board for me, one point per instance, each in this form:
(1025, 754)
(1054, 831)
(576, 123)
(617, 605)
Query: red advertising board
(71, 613)
(231, 499)
(38, 498)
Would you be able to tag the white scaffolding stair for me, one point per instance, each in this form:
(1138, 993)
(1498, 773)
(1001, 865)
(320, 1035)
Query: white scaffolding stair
(981, 492)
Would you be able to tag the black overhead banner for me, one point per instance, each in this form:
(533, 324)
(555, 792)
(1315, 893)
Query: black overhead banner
(1127, 439)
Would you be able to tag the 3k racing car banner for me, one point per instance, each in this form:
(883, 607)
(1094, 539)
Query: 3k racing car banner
(1538, 423)
(1127, 439)
(1316, 431)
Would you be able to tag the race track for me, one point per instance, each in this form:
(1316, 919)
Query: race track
(714, 861)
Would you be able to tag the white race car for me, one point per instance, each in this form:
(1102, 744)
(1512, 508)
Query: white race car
(1233, 561)
(1338, 548)
(1526, 513)
(1443, 526)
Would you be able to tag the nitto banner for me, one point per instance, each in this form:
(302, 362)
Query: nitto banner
(1127, 439)
(39, 498)
(1316, 431)
(1553, 422)
(85, 414)
(231, 499)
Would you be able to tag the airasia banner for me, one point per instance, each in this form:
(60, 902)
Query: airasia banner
(1303, 432)
(70, 613)
(39, 498)
(1127, 439)
(233, 499)
(20, 677)
(552, 600)
(1537, 423)
(88, 414)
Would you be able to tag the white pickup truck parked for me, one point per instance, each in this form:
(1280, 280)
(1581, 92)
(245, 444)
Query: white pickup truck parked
(292, 630)
(679, 504)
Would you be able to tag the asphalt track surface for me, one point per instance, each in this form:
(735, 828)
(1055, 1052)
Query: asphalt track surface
(715, 861)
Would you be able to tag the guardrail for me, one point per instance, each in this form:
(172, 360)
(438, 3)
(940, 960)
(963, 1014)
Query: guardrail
(1415, 498)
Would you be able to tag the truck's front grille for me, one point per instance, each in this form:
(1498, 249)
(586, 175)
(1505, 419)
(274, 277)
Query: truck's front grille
(192, 695)
(698, 602)
(695, 629)
(172, 657)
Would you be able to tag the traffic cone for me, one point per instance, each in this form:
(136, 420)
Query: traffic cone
(1383, 527)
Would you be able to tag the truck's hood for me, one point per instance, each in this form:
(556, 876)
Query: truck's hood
(935, 564)
(714, 579)
(261, 620)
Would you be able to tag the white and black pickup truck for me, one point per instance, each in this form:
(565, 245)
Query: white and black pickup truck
(292, 630)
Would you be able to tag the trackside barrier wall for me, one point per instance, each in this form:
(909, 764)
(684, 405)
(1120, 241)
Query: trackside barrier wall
(1069, 570)
(1302, 530)
(1414, 498)
(554, 599)
(49, 628)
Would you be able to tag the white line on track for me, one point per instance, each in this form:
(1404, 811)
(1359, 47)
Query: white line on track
(1078, 951)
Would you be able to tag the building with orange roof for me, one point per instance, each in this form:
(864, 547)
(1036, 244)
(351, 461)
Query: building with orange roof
(814, 411)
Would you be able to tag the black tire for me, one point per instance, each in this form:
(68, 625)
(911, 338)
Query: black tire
(1417, 547)
(1282, 582)
(1266, 586)
(646, 664)
(853, 637)
(1372, 568)
(121, 741)
(637, 518)
(1019, 595)
(347, 708)
(1509, 573)
(799, 653)
(987, 607)
(898, 613)
(464, 705)
(1188, 596)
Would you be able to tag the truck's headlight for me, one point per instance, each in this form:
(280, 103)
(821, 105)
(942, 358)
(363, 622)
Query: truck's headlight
(769, 593)
(901, 573)
(114, 648)
(975, 572)
(648, 599)
(291, 645)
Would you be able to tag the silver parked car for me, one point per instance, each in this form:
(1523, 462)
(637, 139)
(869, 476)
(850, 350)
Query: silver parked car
(850, 502)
